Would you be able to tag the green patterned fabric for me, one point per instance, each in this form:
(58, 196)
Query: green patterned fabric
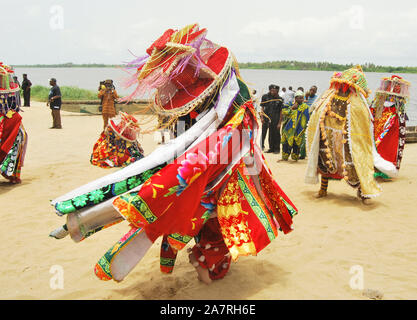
(381, 175)
(140, 206)
(257, 209)
(293, 131)
(295, 124)
(243, 95)
(167, 262)
(9, 164)
(107, 192)
(180, 238)
(291, 210)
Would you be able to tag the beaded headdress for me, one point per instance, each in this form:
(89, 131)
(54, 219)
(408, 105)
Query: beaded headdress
(9, 90)
(392, 91)
(353, 77)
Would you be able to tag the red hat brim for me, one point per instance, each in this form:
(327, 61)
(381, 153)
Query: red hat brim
(184, 99)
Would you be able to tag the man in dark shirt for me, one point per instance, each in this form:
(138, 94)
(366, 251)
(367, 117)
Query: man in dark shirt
(26, 84)
(54, 101)
(272, 106)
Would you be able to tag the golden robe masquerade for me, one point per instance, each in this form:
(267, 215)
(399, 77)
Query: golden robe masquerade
(340, 140)
(210, 184)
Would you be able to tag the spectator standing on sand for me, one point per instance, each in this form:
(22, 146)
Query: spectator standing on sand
(293, 129)
(54, 102)
(26, 85)
(107, 95)
(272, 106)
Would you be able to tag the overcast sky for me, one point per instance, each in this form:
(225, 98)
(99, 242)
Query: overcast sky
(59, 31)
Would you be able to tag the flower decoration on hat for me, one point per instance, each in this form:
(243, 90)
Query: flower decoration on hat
(353, 78)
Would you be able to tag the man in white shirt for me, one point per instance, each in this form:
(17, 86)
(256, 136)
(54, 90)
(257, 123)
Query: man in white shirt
(289, 96)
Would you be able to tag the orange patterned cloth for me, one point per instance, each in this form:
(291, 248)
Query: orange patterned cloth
(247, 224)
(112, 151)
(233, 221)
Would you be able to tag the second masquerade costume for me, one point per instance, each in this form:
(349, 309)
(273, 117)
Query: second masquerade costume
(388, 109)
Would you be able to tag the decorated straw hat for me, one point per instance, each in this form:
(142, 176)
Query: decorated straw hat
(7, 83)
(394, 85)
(182, 68)
(125, 126)
(353, 77)
(9, 90)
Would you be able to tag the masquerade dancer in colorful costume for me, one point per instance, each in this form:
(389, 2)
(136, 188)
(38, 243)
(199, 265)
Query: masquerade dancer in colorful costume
(211, 183)
(388, 109)
(340, 140)
(295, 123)
(118, 145)
(13, 137)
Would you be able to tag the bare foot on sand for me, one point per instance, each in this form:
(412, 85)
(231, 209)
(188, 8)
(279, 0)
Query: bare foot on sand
(203, 274)
(321, 194)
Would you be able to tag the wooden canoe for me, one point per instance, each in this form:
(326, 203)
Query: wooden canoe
(411, 134)
(93, 106)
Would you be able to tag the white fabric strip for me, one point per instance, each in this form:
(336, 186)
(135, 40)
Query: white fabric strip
(129, 256)
(203, 128)
(161, 155)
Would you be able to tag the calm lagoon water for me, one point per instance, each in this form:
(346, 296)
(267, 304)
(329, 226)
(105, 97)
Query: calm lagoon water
(89, 78)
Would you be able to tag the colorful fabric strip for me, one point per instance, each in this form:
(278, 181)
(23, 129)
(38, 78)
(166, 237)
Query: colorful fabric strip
(100, 195)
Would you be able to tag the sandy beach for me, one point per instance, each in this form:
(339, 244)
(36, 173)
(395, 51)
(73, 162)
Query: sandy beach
(330, 235)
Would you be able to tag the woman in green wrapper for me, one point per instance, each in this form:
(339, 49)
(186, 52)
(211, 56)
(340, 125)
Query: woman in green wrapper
(296, 118)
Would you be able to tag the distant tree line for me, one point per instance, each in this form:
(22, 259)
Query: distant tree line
(323, 66)
(283, 65)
